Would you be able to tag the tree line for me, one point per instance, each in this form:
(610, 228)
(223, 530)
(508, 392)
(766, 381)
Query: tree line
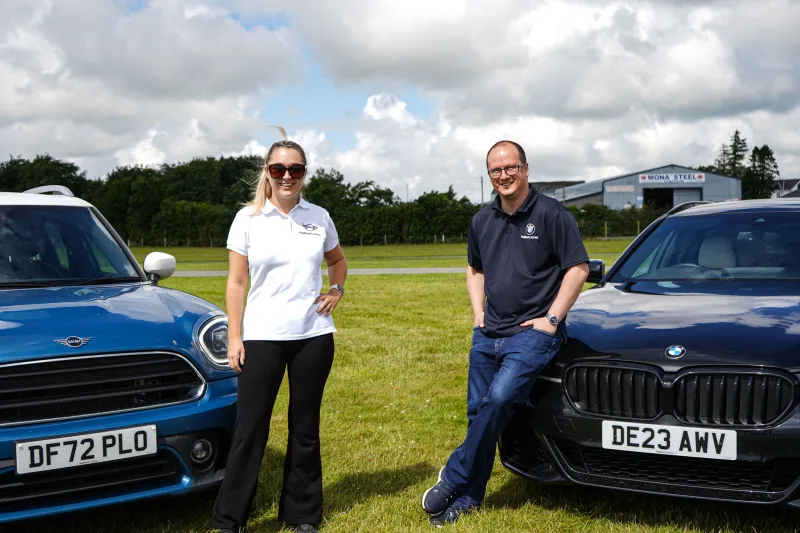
(193, 203)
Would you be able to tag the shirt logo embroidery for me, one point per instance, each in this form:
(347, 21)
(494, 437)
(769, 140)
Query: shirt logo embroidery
(310, 230)
(530, 229)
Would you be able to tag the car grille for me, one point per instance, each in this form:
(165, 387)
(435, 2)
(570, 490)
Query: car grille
(84, 386)
(81, 484)
(773, 476)
(732, 399)
(614, 391)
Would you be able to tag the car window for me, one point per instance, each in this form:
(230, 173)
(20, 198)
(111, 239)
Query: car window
(58, 245)
(729, 246)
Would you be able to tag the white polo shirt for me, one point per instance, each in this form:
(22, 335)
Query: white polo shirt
(285, 254)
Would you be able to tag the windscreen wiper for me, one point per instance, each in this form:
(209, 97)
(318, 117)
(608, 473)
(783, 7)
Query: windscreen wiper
(26, 284)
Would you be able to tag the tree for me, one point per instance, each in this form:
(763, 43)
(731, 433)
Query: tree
(759, 177)
(18, 174)
(722, 165)
(731, 158)
(738, 154)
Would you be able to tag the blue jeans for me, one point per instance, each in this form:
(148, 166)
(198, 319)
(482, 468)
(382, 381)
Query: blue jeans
(502, 373)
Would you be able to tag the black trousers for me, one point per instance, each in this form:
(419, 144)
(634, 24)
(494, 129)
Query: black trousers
(309, 362)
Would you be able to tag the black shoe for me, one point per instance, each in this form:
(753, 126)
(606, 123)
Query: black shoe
(450, 516)
(438, 498)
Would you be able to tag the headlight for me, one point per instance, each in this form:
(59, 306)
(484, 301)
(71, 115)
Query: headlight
(213, 340)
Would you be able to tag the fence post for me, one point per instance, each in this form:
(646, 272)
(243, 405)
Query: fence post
(606, 225)
(637, 228)
(384, 239)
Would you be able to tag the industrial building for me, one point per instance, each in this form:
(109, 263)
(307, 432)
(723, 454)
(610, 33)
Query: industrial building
(660, 187)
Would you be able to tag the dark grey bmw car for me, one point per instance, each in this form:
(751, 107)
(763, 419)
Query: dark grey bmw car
(680, 371)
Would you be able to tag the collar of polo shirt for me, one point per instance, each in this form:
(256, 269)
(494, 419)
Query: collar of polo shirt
(269, 207)
(526, 206)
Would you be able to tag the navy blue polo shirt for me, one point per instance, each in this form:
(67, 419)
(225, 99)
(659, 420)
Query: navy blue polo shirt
(523, 256)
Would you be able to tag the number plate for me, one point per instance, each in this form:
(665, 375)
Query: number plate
(89, 448)
(670, 440)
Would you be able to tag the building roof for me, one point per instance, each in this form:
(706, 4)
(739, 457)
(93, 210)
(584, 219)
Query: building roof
(593, 187)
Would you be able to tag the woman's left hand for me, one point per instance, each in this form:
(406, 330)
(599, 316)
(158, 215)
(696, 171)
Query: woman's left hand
(329, 301)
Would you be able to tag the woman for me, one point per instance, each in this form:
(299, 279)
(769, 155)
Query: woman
(279, 239)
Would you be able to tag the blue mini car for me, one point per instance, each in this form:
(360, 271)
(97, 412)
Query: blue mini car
(112, 388)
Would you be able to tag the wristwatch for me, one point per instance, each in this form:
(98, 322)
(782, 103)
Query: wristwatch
(554, 320)
(338, 288)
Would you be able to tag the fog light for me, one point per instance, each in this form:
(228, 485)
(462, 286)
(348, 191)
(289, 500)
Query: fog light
(202, 451)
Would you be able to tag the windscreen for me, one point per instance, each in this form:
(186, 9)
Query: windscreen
(726, 246)
(58, 245)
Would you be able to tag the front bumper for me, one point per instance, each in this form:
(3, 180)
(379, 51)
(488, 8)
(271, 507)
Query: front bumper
(552, 443)
(170, 472)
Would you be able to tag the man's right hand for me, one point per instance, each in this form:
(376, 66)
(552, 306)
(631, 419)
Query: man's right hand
(479, 320)
(236, 354)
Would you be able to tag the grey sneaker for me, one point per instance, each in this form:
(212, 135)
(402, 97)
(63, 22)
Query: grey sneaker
(305, 528)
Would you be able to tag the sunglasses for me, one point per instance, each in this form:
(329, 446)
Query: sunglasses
(278, 171)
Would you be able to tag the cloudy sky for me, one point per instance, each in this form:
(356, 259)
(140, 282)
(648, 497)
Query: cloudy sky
(409, 96)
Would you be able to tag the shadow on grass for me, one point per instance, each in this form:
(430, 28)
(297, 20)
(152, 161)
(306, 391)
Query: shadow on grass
(649, 510)
(192, 513)
(357, 488)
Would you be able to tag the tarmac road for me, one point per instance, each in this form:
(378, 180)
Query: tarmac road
(350, 272)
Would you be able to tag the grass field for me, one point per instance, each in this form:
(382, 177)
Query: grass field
(394, 409)
(390, 256)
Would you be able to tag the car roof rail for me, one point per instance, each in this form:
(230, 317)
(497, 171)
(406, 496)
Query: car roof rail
(686, 205)
(57, 189)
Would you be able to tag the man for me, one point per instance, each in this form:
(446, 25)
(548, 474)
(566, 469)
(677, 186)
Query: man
(527, 266)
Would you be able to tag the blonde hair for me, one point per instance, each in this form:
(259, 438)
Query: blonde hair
(262, 190)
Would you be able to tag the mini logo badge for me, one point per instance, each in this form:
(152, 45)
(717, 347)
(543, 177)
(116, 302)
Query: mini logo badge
(675, 352)
(310, 227)
(73, 342)
(530, 228)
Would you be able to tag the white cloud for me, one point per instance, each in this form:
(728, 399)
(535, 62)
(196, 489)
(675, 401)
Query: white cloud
(589, 88)
(87, 80)
(144, 153)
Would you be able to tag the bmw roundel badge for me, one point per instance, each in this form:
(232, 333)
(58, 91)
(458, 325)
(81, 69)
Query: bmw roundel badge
(530, 228)
(675, 352)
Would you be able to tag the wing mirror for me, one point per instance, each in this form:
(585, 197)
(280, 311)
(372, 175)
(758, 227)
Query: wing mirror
(597, 269)
(159, 265)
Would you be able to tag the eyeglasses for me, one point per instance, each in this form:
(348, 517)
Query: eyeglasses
(512, 170)
(278, 171)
